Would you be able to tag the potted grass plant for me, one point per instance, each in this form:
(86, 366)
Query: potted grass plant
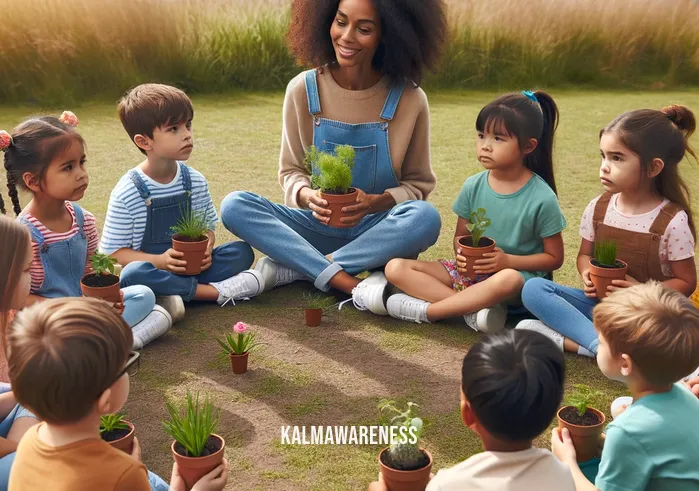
(605, 267)
(316, 303)
(332, 175)
(196, 448)
(473, 246)
(584, 422)
(189, 237)
(102, 282)
(405, 466)
(116, 431)
(237, 345)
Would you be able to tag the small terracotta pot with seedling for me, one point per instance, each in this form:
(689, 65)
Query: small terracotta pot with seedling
(332, 175)
(475, 245)
(189, 237)
(405, 466)
(197, 448)
(237, 345)
(584, 422)
(102, 282)
(605, 267)
(118, 432)
(316, 303)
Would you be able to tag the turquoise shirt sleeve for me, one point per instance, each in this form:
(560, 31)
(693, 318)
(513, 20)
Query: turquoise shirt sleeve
(625, 465)
(550, 220)
(462, 205)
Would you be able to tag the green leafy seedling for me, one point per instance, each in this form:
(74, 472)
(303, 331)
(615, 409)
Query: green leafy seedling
(605, 253)
(477, 226)
(102, 264)
(317, 301)
(192, 225)
(405, 456)
(192, 424)
(112, 422)
(583, 397)
(331, 173)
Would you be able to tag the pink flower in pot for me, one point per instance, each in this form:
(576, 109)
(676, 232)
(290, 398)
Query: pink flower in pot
(236, 346)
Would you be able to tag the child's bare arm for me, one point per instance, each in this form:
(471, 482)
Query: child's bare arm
(684, 276)
(549, 260)
(169, 260)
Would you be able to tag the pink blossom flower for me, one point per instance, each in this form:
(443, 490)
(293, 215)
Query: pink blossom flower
(240, 328)
(5, 140)
(69, 118)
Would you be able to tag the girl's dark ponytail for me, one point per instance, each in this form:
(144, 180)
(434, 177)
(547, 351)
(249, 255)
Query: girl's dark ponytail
(540, 160)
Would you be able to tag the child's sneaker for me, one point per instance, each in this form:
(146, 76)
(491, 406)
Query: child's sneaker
(174, 306)
(242, 286)
(541, 328)
(157, 323)
(275, 274)
(487, 320)
(619, 405)
(369, 294)
(407, 308)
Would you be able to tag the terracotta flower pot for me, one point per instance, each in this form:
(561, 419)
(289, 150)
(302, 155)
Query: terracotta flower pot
(406, 480)
(106, 287)
(125, 443)
(194, 252)
(472, 254)
(602, 277)
(336, 202)
(586, 439)
(313, 317)
(194, 468)
(239, 363)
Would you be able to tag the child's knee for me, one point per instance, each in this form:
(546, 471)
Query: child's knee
(512, 280)
(394, 267)
(132, 273)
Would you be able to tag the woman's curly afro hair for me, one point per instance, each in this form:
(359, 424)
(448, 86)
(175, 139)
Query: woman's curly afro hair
(413, 33)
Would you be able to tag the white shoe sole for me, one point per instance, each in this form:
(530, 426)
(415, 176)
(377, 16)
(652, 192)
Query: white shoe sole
(268, 269)
(491, 320)
(174, 306)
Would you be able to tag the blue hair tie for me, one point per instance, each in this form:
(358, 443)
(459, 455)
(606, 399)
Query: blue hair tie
(530, 95)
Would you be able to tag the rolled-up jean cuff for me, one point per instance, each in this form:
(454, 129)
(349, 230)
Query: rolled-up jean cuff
(192, 291)
(321, 282)
(594, 345)
(23, 412)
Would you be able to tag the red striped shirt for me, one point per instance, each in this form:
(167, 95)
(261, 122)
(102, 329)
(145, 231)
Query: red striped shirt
(50, 237)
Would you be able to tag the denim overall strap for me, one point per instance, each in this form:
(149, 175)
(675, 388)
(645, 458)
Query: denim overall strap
(140, 184)
(389, 108)
(164, 212)
(63, 262)
(312, 92)
(37, 236)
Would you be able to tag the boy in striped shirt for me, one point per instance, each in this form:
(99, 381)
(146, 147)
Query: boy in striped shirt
(149, 199)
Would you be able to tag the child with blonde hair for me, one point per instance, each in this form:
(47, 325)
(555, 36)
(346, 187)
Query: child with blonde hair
(648, 338)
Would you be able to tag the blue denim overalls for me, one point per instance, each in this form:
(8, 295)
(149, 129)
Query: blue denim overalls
(296, 239)
(64, 265)
(162, 213)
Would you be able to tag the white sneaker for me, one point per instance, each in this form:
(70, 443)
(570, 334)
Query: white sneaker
(538, 326)
(619, 405)
(692, 375)
(174, 306)
(157, 323)
(487, 320)
(276, 274)
(368, 295)
(407, 308)
(242, 286)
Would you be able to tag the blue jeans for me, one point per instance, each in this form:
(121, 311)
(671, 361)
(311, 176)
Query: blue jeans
(297, 240)
(227, 260)
(5, 425)
(157, 483)
(565, 310)
(139, 301)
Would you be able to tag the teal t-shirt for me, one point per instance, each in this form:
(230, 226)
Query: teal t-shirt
(653, 445)
(519, 221)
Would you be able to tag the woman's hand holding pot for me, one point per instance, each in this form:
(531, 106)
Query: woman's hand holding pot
(310, 199)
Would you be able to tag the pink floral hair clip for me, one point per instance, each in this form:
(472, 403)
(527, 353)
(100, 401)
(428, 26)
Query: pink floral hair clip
(68, 118)
(5, 140)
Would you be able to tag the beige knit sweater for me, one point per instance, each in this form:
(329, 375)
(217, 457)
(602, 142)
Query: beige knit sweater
(408, 133)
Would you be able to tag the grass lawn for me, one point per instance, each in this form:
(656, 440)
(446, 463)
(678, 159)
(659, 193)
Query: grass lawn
(334, 374)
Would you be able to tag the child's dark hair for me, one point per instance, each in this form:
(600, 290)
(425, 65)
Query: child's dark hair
(513, 381)
(519, 116)
(34, 144)
(664, 135)
(149, 106)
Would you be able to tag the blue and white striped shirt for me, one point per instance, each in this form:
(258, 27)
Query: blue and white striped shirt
(126, 214)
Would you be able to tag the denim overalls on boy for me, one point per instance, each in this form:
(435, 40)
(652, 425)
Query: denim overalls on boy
(641, 251)
(64, 266)
(162, 213)
(404, 231)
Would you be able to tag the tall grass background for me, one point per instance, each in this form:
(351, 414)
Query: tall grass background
(66, 50)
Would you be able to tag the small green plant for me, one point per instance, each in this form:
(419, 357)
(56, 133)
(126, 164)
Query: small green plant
(192, 225)
(404, 454)
(192, 424)
(583, 397)
(317, 300)
(112, 422)
(477, 226)
(605, 253)
(331, 173)
(239, 341)
(102, 264)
